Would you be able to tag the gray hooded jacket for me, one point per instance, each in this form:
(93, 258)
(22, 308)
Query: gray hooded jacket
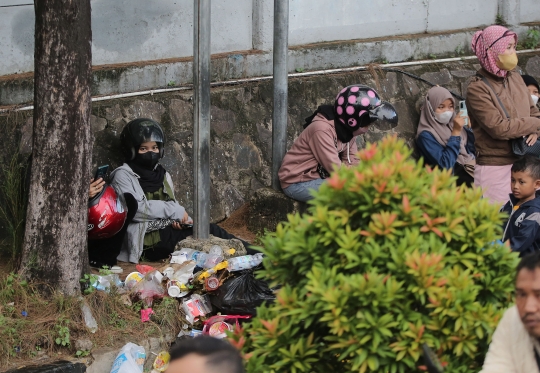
(127, 182)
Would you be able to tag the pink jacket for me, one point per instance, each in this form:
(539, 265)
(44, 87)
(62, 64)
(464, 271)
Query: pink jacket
(318, 143)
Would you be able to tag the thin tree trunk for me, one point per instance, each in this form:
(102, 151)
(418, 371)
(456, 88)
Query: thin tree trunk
(54, 248)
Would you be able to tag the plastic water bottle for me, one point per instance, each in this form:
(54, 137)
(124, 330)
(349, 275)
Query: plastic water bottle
(89, 319)
(215, 256)
(244, 262)
(205, 260)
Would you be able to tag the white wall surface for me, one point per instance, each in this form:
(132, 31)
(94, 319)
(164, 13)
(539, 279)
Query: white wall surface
(130, 30)
(529, 10)
(144, 30)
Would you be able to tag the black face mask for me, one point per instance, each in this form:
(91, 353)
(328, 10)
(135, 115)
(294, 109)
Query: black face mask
(147, 160)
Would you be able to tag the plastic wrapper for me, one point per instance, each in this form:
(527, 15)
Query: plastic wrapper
(130, 359)
(196, 306)
(161, 362)
(149, 288)
(241, 295)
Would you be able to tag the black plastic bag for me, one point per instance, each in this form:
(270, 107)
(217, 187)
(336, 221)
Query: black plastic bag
(241, 295)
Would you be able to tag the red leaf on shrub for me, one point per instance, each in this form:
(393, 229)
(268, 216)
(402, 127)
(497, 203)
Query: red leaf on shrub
(335, 182)
(270, 325)
(422, 367)
(434, 302)
(437, 232)
(368, 153)
(365, 233)
(442, 282)
(359, 176)
(381, 187)
(421, 332)
(406, 204)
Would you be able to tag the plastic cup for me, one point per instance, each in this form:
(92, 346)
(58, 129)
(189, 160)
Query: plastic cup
(173, 288)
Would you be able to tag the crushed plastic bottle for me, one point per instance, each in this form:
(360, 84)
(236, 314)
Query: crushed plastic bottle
(240, 263)
(202, 259)
(89, 319)
(104, 283)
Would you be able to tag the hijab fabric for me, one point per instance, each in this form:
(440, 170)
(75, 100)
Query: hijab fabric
(442, 132)
(344, 133)
(487, 44)
(150, 180)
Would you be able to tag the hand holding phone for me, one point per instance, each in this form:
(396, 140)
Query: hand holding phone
(101, 172)
(463, 112)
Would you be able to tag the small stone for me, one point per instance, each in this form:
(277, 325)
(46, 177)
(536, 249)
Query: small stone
(83, 344)
(463, 73)
(126, 300)
(533, 66)
(441, 77)
(97, 124)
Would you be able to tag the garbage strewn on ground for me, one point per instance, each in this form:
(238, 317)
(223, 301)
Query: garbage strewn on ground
(216, 291)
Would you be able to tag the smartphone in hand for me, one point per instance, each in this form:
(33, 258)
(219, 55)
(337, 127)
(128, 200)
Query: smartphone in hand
(101, 172)
(463, 112)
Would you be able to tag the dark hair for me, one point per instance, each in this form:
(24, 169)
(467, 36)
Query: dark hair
(529, 80)
(528, 164)
(529, 262)
(219, 353)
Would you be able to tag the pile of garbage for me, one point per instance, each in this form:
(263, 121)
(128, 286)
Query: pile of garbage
(216, 291)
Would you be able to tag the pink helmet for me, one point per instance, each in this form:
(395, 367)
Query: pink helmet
(359, 105)
(107, 213)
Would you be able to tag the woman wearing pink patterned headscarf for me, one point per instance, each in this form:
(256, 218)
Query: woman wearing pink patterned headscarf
(500, 109)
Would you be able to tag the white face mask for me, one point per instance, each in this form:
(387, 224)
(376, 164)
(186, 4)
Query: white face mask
(444, 118)
(535, 99)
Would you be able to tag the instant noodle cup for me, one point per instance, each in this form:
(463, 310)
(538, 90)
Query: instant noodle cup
(133, 279)
(218, 329)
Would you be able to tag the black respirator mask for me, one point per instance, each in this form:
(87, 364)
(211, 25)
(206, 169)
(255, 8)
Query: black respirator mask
(147, 160)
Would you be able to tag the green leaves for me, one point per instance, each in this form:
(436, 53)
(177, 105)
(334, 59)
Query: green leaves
(390, 255)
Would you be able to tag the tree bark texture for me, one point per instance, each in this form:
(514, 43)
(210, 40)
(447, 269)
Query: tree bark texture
(55, 250)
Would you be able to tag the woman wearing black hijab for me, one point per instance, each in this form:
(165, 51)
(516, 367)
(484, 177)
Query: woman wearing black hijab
(160, 221)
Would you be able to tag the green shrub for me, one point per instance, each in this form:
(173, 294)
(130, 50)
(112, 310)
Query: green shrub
(13, 201)
(391, 255)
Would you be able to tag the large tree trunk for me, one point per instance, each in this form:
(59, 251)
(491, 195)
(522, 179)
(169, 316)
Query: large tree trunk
(56, 226)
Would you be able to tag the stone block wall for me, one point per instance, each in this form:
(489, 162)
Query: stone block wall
(241, 124)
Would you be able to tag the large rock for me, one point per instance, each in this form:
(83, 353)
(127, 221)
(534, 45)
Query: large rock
(205, 245)
(268, 207)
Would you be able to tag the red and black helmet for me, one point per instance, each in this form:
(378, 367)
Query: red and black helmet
(107, 213)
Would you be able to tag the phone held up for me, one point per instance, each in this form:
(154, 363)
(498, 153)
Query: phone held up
(463, 112)
(101, 172)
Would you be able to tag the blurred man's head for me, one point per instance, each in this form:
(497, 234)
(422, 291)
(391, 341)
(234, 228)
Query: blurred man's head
(205, 355)
(528, 293)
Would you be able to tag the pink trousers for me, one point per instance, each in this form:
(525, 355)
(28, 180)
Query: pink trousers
(495, 182)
